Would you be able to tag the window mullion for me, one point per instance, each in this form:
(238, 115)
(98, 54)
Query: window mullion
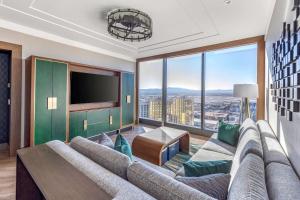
(164, 92)
(202, 90)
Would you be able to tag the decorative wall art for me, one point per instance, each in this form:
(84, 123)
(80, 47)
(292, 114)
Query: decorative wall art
(285, 87)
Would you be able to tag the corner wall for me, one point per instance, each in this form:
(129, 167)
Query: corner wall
(45, 48)
(288, 133)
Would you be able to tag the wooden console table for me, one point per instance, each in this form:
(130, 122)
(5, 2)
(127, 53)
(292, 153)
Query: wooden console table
(43, 174)
(149, 146)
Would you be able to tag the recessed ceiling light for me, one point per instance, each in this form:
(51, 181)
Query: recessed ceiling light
(227, 1)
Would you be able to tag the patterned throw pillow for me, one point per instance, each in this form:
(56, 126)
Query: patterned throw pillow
(123, 146)
(106, 141)
(214, 185)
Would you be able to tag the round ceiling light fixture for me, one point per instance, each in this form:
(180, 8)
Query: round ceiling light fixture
(129, 25)
(227, 1)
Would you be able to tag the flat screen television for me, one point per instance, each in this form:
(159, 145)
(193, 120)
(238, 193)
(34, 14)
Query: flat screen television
(93, 88)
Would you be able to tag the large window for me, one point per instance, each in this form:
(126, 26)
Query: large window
(197, 90)
(223, 69)
(184, 90)
(150, 90)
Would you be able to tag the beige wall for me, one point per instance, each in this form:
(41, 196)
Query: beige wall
(287, 132)
(45, 48)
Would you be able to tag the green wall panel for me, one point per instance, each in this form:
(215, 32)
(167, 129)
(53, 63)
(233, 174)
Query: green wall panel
(115, 113)
(131, 93)
(50, 81)
(43, 90)
(59, 118)
(127, 89)
(98, 122)
(76, 124)
(123, 100)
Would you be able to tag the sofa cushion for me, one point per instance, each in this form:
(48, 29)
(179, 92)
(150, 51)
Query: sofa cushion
(112, 184)
(105, 140)
(110, 159)
(213, 144)
(249, 181)
(161, 186)
(228, 133)
(282, 182)
(122, 145)
(156, 167)
(246, 125)
(249, 143)
(273, 151)
(205, 155)
(201, 168)
(265, 129)
(215, 185)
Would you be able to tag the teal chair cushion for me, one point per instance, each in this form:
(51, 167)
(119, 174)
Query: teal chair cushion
(228, 133)
(122, 145)
(201, 168)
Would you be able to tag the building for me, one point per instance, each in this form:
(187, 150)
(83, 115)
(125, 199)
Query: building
(144, 108)
(180, 110)
(155, 108)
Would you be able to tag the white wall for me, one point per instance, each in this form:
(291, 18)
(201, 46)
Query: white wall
(287, 132)
(45, 48)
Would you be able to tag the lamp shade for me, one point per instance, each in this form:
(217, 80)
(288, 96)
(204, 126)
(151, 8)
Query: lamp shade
(245, 90)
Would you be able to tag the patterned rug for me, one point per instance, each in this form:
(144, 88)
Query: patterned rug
(176, 162)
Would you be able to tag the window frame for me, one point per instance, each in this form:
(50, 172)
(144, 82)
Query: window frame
(259, 41)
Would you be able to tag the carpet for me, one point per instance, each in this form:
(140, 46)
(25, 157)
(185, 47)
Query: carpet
(176, 162)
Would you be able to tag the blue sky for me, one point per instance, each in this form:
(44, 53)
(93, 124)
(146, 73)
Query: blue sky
(223, 69)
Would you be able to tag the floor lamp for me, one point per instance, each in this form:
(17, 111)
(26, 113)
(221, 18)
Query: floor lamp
(245, 91)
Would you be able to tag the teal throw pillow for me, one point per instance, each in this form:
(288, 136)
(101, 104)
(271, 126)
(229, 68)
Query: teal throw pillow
(122, 145)
(228, 133)
(201, 168)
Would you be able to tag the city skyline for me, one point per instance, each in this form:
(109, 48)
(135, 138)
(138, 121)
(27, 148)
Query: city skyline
(186, 109)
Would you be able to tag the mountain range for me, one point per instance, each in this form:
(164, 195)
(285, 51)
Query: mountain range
(184, 91)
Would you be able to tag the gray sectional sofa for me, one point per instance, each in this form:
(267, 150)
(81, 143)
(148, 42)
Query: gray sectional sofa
(260, 168)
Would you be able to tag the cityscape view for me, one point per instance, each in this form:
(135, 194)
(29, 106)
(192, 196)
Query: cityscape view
(184, 79)
(184, 107)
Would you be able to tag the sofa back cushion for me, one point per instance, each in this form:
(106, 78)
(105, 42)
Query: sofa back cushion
(249, 181)
(215, 185)
(273, 152)
(250, 142)
(265, 128)
(282, 182)
(108, 158)
(161, 186)
(247, 125)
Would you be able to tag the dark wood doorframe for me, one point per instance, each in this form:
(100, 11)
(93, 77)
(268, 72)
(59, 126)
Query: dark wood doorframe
(15, 94)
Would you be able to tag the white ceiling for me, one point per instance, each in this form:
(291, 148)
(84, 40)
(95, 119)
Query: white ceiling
(177, 24)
